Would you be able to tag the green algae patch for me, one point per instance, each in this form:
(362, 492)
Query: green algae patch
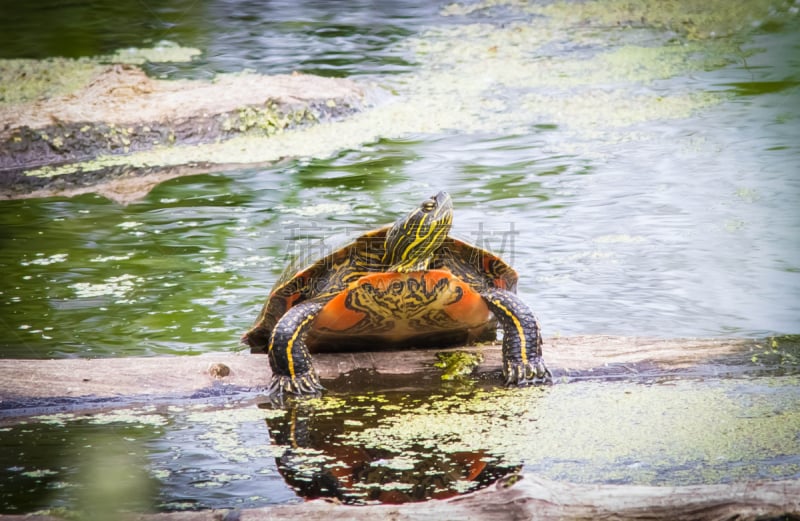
(324, 453)
(592, 93)
(679, 432)
(781, 351)
(611, 115)
(694, 19)
(25, 80)
(453, 424)
(710, 432)
(266, 121)
(457, 364)
(222, 431)
(136, 417)
(164, 51)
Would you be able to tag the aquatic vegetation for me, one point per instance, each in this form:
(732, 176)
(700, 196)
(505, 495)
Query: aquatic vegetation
(676, 433)
(693, 19)
(25, 80)
(636, 432)
(164, 51)
(783, 350)
(221, 428)
(602, 94)
(119, 286)
(457, 364)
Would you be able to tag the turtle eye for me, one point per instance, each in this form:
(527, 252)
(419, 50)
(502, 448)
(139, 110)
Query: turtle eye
(428, 206)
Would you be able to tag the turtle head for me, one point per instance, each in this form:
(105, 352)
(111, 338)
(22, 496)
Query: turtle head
(412, 240)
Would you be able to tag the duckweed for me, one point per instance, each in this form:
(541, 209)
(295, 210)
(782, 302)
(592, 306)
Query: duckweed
(600, 96)
(693, 19)
(634, 432)
(457, 364)
(24, 80)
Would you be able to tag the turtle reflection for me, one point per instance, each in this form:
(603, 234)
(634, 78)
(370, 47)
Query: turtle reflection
(320, 459)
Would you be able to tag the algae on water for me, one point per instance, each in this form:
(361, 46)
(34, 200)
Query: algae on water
(25, 80)
(585, 68)
(457, 364)
(693, 19)
(680, 432)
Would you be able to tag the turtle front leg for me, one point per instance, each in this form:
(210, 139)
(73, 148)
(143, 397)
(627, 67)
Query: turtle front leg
(522, 339)
(292, 371)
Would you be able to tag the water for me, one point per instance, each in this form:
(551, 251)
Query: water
(281, 37)
(629, 203)
(688, 231)
(397, 446)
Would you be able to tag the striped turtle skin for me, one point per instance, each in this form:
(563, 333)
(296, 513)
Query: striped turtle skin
(405, 285)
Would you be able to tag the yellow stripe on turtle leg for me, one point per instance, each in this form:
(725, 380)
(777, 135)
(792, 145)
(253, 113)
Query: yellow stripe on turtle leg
(517, 326)
(290, 344)
(292, 368)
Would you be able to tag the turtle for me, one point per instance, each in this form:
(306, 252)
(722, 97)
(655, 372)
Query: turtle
(403, 285)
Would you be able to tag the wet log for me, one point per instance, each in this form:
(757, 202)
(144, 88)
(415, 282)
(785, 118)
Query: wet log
(121, 110)
(84, 383)
(536, 498)
(530, 497)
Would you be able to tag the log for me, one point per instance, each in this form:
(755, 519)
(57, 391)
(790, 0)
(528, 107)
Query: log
(121, 110)
(527, 496)
(73, 384)
(531, 497)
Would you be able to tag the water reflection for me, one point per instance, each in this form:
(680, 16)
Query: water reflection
(322, 457)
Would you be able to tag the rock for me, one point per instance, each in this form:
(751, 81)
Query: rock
(218, 370)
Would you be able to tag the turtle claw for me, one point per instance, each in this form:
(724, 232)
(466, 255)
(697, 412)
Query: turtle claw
(304, 385)
(522, 374)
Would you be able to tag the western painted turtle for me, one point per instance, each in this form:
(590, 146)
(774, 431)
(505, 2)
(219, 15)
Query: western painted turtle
(408, 284)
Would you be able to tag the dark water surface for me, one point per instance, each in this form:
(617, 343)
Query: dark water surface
(622, 216)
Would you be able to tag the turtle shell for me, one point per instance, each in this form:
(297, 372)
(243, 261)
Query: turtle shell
(368, 306)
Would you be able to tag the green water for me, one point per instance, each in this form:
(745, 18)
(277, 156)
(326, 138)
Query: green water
(641, 175)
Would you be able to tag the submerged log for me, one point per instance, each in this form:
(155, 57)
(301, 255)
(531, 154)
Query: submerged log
(122, 110)
(527, 496)
(87, 382)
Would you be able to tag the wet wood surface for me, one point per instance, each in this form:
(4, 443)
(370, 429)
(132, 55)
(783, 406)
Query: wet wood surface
(82, 383)
(539, 499)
